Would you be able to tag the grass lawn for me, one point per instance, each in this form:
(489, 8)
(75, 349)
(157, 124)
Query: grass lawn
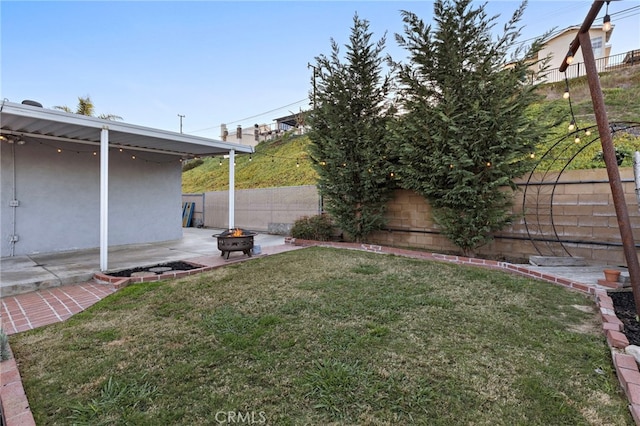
(327, 336)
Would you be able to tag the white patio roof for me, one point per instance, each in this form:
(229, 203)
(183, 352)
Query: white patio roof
(48, 124)
(33, 122)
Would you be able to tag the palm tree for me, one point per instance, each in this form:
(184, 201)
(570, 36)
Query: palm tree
(85, 107)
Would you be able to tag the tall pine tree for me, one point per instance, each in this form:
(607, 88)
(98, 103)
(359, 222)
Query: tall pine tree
(464, 135)
(349, 132)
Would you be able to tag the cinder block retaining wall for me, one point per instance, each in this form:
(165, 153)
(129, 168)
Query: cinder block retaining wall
(582, 211)
(266, 210)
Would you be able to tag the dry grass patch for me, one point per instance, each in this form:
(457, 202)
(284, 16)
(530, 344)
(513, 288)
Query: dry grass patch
(325, 336)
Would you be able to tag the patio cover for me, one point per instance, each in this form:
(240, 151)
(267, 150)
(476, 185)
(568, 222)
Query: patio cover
(47, 124)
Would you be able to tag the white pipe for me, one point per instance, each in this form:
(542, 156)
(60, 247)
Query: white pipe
(232, 190)
(12, 242)
(104, 198)
(636, 173)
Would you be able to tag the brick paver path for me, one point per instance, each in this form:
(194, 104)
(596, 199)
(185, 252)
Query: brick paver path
(27, 311)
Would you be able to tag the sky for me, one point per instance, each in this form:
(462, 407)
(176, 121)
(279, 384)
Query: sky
(213, 62)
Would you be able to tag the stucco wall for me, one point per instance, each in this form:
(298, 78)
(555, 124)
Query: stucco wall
(59, 195)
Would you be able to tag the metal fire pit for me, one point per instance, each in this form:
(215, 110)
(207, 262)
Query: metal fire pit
(227, 242)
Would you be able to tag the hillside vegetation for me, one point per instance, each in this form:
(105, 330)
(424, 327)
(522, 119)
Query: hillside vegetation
(285, 162)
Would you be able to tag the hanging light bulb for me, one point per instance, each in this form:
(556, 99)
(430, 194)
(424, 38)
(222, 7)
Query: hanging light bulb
(587, 132)
(572, 125)
(577, 139)
(297, 163)
(220, 161)
(606, 26)
(250, 157)
(606, 21)
(532, 155)
(566, 94)
(569, 58)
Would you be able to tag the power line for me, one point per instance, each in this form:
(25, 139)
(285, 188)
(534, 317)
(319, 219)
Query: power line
(626, 11)
(252, 117)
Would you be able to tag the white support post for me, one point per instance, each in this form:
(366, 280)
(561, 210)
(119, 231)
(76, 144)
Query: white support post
(104, 198)
(232, 190)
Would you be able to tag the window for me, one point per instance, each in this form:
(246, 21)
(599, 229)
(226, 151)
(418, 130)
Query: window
(596, 44)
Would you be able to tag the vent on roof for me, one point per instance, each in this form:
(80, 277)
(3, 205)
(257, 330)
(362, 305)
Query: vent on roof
(32, 103)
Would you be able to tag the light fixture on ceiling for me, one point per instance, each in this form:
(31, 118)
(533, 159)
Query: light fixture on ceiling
(12, 139)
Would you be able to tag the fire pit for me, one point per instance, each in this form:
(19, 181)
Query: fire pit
(235, 240)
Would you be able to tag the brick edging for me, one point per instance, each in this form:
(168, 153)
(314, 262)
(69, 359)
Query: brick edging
(15, 406)
(120, 282)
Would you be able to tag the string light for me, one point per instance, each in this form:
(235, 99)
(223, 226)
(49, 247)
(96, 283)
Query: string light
(572, 125)
(569, 58)
(606, 21)
(532, 155)
(587, 132)
(577, 139)
(59, 150)
(566, 90)
(133, 157)
(488, 163)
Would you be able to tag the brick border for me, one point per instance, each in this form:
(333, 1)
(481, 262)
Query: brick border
(15, 406)
(120, 282)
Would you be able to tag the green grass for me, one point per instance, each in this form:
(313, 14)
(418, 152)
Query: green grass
(282, 162)
(326, 336)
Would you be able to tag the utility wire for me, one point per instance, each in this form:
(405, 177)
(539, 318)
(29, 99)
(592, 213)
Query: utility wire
(251, 117)
(627, 12)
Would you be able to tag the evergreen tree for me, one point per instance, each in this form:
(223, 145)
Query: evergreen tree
(464, 135)
(349, 132)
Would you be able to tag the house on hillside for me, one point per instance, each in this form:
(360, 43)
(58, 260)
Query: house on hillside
(557, 45)
(262, 132)
(74, 182)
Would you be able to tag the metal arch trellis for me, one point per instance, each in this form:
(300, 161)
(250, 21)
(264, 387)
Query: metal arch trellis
(540, 187)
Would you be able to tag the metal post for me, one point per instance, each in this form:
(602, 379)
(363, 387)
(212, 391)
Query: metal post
(609, 154)
(104, 198)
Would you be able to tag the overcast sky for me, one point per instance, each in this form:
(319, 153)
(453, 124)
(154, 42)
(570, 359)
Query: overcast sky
(214, 62)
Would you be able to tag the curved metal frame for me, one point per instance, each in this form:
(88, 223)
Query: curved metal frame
(557, 152)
